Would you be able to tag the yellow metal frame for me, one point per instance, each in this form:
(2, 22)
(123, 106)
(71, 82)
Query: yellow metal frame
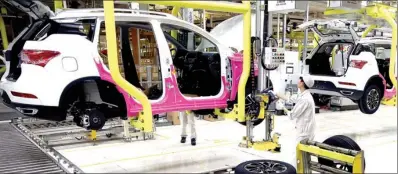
(369, 29)
(4, 38)
(145, 117)
(378, 11)
(175, 13)
(58, 4)
(356, 160)
(381, 11)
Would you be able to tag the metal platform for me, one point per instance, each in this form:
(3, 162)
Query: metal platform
(27, 144)
(67, 133)
(216, 151)
(19, 154)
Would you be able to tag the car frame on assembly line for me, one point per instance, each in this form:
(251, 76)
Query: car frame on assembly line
(356, 70)
(55, 68)
(364, 71)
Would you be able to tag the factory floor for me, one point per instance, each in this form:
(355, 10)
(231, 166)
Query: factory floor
(217, 145)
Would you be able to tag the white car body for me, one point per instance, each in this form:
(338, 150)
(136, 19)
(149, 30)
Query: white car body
(351, 84)
(358, 77)
(43, 88)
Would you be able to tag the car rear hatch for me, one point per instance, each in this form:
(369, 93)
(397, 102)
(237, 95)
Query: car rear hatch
(40, 14)
(33, 8)
(331, 30)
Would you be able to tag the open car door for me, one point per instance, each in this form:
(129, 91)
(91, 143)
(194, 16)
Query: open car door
(33, 8)
(331, 29)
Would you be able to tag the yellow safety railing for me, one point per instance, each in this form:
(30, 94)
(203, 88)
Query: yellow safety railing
(145, 117)
(306, 149)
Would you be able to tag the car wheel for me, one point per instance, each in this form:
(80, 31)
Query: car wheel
(254, 120)
(370, 100)
(264, 166)
(252, 108)
(343, 142)
(360, 107)
(94, 120)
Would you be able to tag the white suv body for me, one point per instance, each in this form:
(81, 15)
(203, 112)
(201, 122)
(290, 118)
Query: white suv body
(352, 78)
(57, 56)
(344, 65)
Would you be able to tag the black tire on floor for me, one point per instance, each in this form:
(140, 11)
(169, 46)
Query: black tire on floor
(372, 91)
(343, 142)
(264, 166)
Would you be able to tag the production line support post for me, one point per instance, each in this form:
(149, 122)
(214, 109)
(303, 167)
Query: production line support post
(145, 118)
(4, 38)
(307, 13)
(269, 143)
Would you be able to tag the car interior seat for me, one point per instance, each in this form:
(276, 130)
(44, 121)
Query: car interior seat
(130, 70)
(340, 63)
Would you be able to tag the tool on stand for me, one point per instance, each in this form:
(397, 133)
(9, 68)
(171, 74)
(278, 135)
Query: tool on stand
(261, 103)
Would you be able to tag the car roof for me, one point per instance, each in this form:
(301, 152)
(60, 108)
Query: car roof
(99, 12)
(376, 40)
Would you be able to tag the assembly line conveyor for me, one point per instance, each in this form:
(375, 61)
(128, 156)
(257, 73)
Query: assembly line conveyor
(21, 153)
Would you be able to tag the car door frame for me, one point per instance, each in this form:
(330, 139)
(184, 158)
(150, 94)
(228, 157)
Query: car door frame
(171, 99)
(210, 38)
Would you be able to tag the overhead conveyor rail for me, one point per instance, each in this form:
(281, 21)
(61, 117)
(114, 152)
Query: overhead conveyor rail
(20, 155)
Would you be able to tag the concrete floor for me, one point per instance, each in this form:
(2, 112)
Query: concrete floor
(7, 113)
(218, 145)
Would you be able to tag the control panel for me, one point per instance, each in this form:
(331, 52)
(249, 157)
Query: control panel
(274, 55)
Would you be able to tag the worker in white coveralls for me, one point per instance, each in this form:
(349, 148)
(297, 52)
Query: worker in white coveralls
(303, 113)
(188, 117)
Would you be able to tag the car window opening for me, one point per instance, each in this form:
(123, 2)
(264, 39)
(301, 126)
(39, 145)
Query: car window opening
(138, 54)
(198, 69)
(330, 59)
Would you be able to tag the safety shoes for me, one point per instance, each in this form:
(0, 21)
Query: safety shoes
(184, 139)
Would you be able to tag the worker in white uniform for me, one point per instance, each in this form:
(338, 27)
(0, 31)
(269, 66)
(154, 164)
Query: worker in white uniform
(188, 117)
(303, 113)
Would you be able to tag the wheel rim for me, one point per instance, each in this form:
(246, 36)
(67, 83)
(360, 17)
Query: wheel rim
(265, 167)
(372, 99)
(252, 108)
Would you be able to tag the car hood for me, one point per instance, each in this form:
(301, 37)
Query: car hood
(230, 32)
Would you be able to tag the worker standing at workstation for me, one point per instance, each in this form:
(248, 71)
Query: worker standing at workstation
(303, 112)
(188, 117)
